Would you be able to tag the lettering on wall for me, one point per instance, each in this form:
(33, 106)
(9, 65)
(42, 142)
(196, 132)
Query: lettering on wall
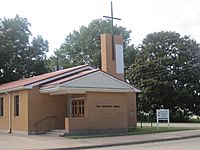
(108, 106)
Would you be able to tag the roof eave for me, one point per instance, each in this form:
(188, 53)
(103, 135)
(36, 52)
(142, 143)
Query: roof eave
(137, 90)
(19, 88)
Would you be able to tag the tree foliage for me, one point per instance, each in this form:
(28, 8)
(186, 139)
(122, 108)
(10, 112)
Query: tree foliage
(83, 46)
(20, 58)
(167, 70)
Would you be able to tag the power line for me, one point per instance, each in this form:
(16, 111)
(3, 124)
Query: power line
(160, 71)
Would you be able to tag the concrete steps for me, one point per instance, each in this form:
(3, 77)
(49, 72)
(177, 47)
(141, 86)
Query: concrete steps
(56, 133)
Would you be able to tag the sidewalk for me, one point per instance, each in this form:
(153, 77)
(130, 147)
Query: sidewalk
(11, 142)
(183, 125)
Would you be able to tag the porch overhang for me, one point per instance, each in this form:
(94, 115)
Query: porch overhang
(81, 90)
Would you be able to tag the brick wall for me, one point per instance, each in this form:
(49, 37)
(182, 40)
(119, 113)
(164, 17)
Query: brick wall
(105, 111)
(107, 63)
(43, 108)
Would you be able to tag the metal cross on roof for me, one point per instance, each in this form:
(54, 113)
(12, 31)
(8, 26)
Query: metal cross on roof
(112, 29)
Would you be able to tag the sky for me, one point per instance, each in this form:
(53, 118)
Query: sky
(54, 19)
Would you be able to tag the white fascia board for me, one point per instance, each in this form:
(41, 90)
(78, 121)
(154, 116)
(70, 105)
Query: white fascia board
(136, 90)
(71, 91)
(14, 89)
(59, 76)
(49, 90)
(97, 89)
(62, 90)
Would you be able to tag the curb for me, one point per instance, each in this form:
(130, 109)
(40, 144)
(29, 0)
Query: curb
(127, 143)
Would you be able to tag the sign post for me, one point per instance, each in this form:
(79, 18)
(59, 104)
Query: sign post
(162, 114)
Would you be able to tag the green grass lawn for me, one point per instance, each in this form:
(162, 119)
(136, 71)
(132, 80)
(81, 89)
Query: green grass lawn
(138, 131)
(193, 121)
(150, 130)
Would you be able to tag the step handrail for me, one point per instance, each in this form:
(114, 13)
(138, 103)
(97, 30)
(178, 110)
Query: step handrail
(43, 119)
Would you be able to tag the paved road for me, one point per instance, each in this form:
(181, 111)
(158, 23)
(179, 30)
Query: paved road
(187, 144)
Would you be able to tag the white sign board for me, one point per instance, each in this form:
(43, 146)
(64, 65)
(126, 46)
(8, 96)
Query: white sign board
(162, 114)
(119, 58)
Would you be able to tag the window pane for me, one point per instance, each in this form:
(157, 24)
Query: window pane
(72, 110)
(80, 110)
(83, 110)
(75, 111)
(1, 106)
(16, 101)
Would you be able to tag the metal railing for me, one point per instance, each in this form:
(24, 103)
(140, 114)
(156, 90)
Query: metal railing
(36, 124)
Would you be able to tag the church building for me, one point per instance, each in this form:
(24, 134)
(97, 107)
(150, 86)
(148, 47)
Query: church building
(78, 100)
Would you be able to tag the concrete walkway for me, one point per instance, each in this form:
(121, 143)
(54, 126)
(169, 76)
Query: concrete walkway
(13, 142)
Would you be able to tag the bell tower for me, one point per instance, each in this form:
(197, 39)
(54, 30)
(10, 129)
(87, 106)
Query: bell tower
(112, 66)
(112, 58)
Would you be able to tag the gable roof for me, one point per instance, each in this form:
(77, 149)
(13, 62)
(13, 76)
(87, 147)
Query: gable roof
(82, 77)
(41, 79)
(92, 80)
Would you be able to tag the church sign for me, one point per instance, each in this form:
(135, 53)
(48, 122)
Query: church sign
(162, 114)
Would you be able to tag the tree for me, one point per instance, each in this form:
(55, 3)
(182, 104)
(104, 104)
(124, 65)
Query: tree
(167, 70)
(83, 46)
(129, 57)
(18, 57)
